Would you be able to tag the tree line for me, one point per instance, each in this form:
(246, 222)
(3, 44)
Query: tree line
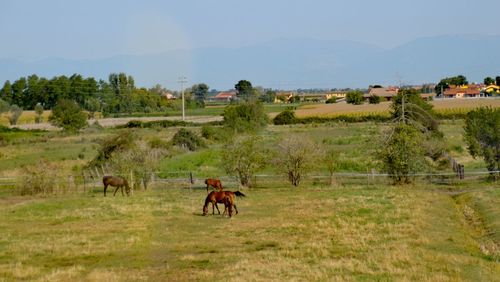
(116, 95)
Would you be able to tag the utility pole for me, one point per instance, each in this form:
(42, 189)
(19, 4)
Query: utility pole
(183, 80)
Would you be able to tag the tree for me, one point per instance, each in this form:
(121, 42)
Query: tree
(331, 160)
(268, 96)
(402, 153)
(38, 112)
(242, 157)
(354, 97)
(186, 138)
(285, 117)
(200, 92)
(482, 135)
(4, 106)
(331, 100)
(374, 99)
(6, 92)
(68, 115)
(446, 82)
(247, 116)
(295, 156)
(244, 89)
(14, 113)
(489, 81)
(92, 105)
(497, 80)
(414, 110)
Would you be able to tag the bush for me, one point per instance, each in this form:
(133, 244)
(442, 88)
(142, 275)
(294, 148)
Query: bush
(41, 178)
(285, 117)
(114, 144)
(373, 99)
(247, 116)
(354, 97)
(186, 138)
(157, 143)
(331, 100)
(15, 112)
(39, 113)
(214, 133)
(68, 115)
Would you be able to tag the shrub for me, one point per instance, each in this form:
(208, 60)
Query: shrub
(15, 112)
(285, 117)
(374, 99)
(214, 133)
(331, 100)
(68, 115)
(112, 145)
(41, 178)
(247, 116)
(186, 138)
(157, 143)
(134, 124)
(354, 97)
(39, 113)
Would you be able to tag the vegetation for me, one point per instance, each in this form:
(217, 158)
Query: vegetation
(14, 113)
(295, 156)
(187, 139)
(446, 82)
(354, 97)
(68, 115)
(374, 99)
(285, 117)
(39, 113)
(244, 90)
(482, 134)
(242, 157)
(246, 116)
(331, 100)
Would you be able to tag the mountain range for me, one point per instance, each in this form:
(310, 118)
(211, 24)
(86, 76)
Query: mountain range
(289, 64)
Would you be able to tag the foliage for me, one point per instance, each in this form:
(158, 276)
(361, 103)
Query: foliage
(446, 82)
(246, 116)
(4, 106)
(295, 99)
(331, 100)
(331, 161)
(415, 110)
(214, 133)
(489, 81)
(285, 117)
(268, 96)
(354, 97)
(482, 135)
(92, 105)
(200, 92)
(14, 113)
(39, 113)
(112, 145)
(242, 157)
(244, 90)
(295, 156)
(68, 115)
(187, 139)
(374, 99)
(40, 178)
(402, 154)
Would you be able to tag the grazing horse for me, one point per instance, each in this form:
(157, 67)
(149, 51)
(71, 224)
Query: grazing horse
(223, 197)
(115, 181)
(214, 183)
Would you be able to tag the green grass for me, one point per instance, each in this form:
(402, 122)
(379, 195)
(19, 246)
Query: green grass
(381, 233)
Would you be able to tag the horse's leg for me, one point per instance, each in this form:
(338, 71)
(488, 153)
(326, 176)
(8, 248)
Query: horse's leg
(117, 187)
(235, 209)
(121, 188)
(105, 187)
(217, 207)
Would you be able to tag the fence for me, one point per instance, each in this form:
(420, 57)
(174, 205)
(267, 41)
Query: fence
(92, 183)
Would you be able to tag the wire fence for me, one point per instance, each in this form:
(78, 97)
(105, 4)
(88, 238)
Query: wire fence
(92, 183)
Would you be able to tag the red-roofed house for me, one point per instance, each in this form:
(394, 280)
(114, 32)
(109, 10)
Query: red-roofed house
(464, 91)
(225, 96)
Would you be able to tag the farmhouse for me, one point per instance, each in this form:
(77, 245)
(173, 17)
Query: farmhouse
(491, 89)
(283, 97)
(463, 91)
(388, 93)
(224, 96)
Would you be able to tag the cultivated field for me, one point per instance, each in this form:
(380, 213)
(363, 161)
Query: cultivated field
(356, 229)
(342, 108)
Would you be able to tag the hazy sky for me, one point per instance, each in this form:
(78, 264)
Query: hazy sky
(91, 29)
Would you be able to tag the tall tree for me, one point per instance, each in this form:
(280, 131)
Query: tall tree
(6, 92)
(489, 81)
(244, 89)
(445, 83)
(200, 92)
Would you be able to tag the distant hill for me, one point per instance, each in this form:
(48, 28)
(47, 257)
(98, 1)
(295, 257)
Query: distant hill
(290, 63)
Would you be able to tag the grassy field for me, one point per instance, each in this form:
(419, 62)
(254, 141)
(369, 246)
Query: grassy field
(310, 233)
(361, 231)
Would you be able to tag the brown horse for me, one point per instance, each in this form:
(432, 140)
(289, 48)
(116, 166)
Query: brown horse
(223, 197)
(214, 183)
(115, 181)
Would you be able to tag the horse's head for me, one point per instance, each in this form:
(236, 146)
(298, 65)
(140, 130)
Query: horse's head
(205, 209)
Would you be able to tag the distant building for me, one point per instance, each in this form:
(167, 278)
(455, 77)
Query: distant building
(283, 97)
(223, 97)
(490, 90)
(168, 95)
(388, 93)
(463, 91)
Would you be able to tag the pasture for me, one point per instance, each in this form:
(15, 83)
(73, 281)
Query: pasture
(352, 230)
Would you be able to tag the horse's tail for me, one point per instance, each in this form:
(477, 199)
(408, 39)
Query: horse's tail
(239, 194)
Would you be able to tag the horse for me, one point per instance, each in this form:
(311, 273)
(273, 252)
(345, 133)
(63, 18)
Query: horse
(223, 197)
(115, 181)
(214, 183)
